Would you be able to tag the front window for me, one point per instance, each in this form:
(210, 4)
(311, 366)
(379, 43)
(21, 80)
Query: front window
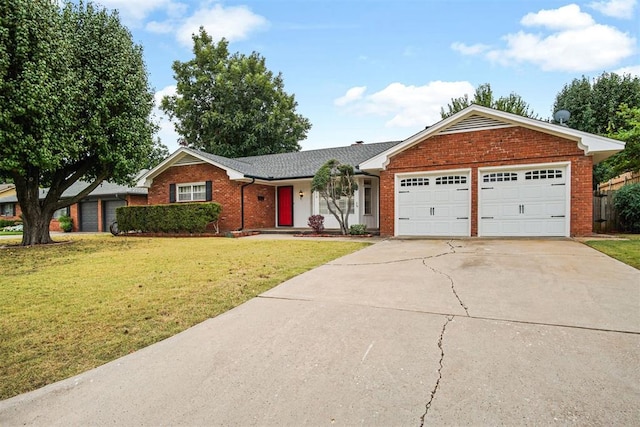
(6, 209)
(342, 202)
(192, 192)
(61, 212)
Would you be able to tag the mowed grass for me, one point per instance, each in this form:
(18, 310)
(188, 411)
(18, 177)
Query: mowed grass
(68, 308)
(627, 251)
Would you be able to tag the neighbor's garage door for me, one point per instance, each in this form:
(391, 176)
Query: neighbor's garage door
(433, 205)
(88, 216)
(524, 202)
(110, 207)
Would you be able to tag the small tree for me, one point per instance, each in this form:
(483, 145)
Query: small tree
(335, 182)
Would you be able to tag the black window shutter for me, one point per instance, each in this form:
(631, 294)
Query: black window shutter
(14, 210)
(172, 193)
(209, 196)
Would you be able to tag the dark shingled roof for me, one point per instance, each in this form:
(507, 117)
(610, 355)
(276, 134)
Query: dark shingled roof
(104, 189)
(299, 164)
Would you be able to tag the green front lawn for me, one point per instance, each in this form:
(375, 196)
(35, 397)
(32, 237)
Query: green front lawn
(68, 308)
(627, 251)
(10, 233)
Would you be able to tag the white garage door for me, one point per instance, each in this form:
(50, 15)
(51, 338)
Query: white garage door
(433, 205)
(524, 202)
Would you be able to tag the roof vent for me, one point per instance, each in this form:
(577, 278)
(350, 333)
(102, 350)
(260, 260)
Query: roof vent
(358, 143)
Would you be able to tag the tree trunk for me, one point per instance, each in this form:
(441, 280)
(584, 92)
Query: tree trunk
(36, 230)
(36, 215)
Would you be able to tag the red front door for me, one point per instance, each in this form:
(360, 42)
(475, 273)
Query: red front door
(285, 206)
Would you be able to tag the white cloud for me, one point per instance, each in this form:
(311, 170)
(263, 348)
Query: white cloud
(160, 27)
(622, 9)
(634, 70)
(470, 49)
(573, 42)
(166, 132)
(135, 12)
(556, 19)
(406, 106)
(352, 94)
(233, 23)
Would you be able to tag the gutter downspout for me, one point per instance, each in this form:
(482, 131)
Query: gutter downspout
(242, 202)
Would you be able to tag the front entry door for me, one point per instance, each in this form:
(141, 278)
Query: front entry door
(285, 206)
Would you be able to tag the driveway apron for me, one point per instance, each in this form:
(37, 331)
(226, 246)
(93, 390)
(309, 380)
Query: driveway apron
(404, 332)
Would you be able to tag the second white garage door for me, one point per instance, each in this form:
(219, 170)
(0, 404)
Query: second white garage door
(524, 202)
(433, 204)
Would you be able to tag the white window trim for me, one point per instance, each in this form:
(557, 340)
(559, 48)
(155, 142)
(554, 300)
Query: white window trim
(191, 185)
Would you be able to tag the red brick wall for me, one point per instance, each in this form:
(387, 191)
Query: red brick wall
(226, 192)
(487, 148)
(259, 206)
(136, 199)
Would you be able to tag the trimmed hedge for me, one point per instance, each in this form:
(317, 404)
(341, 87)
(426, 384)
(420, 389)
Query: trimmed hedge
(9, 222)
(174, 218)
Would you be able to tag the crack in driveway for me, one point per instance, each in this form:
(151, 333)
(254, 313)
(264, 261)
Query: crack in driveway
(435, 388)
(453, 288)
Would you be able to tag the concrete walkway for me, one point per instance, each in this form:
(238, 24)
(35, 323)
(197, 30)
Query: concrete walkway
(405, 332)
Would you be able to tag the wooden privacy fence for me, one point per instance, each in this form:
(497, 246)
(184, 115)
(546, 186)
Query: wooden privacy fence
(605, 217)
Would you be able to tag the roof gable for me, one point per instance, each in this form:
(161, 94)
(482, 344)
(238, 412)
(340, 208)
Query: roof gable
(476, 117)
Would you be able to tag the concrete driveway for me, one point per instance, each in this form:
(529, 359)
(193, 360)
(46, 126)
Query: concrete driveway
(405, 332)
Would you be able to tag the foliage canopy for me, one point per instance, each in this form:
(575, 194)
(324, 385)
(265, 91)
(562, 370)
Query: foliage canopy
(484, 96)
(231, 104)
(608, 106)
(75, 104)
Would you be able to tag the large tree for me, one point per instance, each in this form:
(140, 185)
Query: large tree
(628, 160)
(231, 104)
(604, 106)
(513, 103)
(76, 104)
(594, 104)
(335, 182)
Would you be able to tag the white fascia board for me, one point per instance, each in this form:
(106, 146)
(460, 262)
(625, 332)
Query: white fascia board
(598, 146)
(147, 179)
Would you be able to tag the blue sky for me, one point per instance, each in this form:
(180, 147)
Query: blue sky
(375, 70)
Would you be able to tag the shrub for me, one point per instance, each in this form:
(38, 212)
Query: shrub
(627, 203)
(66, 223)
(7, 222)
(174, 218)
(358, 229)
(316, 222)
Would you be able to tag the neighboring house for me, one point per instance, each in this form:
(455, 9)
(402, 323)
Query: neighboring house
(7, 210)
(93, 213)
(480, 172)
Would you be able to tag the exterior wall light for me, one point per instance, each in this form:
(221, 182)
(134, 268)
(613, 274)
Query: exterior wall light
(301, 194)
